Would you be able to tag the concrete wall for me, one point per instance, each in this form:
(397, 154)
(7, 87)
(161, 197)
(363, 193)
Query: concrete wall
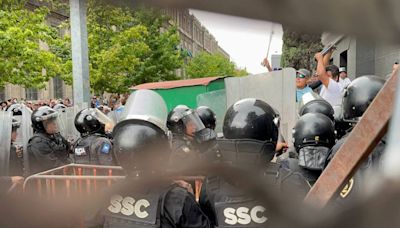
(364, 58)
(385, 56)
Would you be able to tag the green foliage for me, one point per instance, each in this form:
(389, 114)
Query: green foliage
(207, 65)
(26, 46)
(126, 48)
(299, 49)
(240, 72)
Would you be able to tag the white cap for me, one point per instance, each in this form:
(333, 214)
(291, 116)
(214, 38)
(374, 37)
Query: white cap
(342, 69)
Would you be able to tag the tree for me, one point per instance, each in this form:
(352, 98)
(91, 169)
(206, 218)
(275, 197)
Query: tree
(129, 47)
(207, 65)
(299, 49)
(28, 46)
(240, 72)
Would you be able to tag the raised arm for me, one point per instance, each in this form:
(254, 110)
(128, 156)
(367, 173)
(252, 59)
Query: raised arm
(322, 75)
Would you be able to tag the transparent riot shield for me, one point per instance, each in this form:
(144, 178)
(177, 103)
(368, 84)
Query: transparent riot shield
(146, 105)
(107, 121)
(216, 101)
(5, 141)
(66, 118)
(18, 140)
(26, 132)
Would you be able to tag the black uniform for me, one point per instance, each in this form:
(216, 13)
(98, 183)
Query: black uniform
(221, 200)
(142, 148)
(163, 206)
(94, 149)
(186, 152)
(351, 191)
(47, 152)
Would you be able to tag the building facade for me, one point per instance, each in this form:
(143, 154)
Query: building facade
(55, 88)
(194, 36)
(362, 58)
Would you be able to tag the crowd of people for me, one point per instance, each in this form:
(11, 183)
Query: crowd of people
(147, 141)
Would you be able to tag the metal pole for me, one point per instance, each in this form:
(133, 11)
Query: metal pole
(80, 59)
(270, 39)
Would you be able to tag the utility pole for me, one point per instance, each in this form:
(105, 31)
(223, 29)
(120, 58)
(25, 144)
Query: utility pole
(80, 56)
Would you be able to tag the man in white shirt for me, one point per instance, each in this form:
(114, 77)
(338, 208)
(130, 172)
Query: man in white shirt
(331, 89)
(344, 81)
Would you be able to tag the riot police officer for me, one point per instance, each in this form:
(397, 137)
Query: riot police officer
(46, 149)
(16, 167)
(141, 147)
(251, 132)
(15, 109)
(314, 136)
(93, 147)
(190, 138)
(356, 99)
(207, 116)
(318, 106)
(59, 107)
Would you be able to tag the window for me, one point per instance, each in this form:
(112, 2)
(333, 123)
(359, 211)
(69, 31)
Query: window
(343, 59)
(31, 94)
(58, 87)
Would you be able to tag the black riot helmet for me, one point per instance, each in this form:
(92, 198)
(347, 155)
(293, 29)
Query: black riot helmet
(59, 107)
(313, 129)
(251, 118)
(207, 116)
(43, 113)
(318, 106)
(174, 120)
(140, 138)
(359, 95)
(15, 109)
(136, 143)
(86, 122)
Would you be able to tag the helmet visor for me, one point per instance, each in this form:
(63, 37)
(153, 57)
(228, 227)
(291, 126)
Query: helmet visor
(192, 122)
(51, 126)
(102, 118)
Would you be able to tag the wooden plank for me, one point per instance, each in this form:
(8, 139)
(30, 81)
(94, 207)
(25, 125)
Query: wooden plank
(360, 143)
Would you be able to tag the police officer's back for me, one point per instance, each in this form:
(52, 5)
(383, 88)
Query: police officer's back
(141, 147)
(251, 132)
(357, 97)
(47, 149)
(93, 147)
(313, 136)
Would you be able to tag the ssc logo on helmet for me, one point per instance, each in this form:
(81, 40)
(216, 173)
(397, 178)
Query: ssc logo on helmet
(347, 189)
(244, 215)
(129, 206)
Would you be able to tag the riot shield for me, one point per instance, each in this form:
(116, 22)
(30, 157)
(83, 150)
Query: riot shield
(146, 105)
(101, 117)
(26, 132)
(277, 88)
(5, 141)
(216, 101)
(66, 120)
